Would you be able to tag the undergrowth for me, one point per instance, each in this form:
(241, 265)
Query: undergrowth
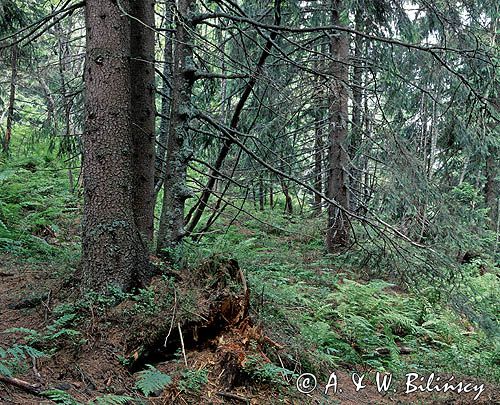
(323, 309)
(328, 315)
(37, 209)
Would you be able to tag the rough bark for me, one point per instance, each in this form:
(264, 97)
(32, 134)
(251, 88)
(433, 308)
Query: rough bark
(337, 236)
(171, 230)
(271, 192)
(12, 99)
(142, 47)
(113, 251)
(491, 187)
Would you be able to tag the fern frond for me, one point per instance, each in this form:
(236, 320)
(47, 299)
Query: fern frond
(111, 399)
(60, 397)
(151, 380)
(12, 357)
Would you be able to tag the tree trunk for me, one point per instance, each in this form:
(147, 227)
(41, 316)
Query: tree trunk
(142, 50)
(261, 193)
(226, 147)
(271, 192)
(491, 187)
(357, 119)
(113, 251)
(288, 209)
(318, 163)
(67, 143)
(166, 95)
(171, 229)
(337, 236)
(12, 99)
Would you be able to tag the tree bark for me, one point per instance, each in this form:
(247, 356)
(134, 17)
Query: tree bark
(142, 50)
(12, 99)
(337, 236)
(288, 208)
(113, 251)
(171, 230)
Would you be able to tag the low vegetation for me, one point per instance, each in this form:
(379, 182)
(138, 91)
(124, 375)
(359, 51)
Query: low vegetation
(321, 312)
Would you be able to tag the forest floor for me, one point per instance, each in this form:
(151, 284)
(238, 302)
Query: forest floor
(29, 293)
(306, 313)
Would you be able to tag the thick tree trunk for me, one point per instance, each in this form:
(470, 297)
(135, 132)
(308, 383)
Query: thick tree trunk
(171, 230)
(337, 236)
(142, 49)
(12, 99)
(113, 252)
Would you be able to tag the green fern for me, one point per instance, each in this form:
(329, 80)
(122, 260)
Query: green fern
(151, 380)
(193, 380)
(60, 397)
(111, 399)
(12, 357)
(52, 332)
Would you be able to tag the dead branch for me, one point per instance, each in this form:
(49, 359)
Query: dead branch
(24, 385)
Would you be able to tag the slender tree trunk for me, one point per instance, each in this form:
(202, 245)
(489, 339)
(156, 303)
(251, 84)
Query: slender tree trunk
(357, 120)
(366, 186)
(491, 187)
(463, 172)
(226, 147)
(271, 192)
(337, 236)
(113, 250)
(67, 145)
(318, 163)
(166, 95)
(12, 99)
(142, 50)
(171, 230)
(51, 105)
(434, 137)
(288, 209)
(261, 193)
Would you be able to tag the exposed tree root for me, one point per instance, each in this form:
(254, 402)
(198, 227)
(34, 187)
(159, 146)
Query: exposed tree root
(207, 309)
